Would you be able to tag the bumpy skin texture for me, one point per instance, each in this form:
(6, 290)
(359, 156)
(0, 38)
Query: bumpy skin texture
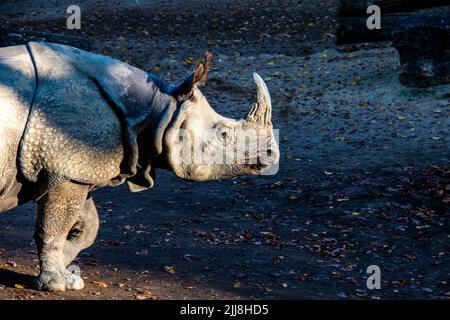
(17, 86)
(60, 137)
(58, 211)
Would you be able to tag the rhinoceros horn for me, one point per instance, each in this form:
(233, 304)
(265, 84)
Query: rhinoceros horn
(261, 112)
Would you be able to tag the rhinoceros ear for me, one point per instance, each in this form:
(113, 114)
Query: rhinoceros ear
(185, 89)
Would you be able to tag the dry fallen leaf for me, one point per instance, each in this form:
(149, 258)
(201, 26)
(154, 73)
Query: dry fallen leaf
(170, 269)
(99, 284)
(145, 295)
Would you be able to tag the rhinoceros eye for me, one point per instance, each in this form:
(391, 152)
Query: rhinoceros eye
(224, 134)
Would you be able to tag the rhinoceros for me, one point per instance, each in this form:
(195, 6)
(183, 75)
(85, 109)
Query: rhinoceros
(73, 121)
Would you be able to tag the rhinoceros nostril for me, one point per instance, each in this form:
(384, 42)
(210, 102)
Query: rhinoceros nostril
(264, 162)
(269, 152)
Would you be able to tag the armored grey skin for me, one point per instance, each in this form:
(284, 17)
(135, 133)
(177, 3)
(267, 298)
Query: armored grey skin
(73, 121)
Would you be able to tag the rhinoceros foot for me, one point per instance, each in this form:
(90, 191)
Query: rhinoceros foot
(58, 281)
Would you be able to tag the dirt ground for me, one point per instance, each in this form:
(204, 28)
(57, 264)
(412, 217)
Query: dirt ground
(364, 173)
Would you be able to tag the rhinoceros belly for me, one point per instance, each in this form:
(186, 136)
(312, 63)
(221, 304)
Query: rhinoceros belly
(17, 85)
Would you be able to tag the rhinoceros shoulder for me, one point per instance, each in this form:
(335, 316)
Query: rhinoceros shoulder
(72, 131)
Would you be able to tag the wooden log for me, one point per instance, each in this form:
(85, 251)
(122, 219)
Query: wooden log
(424, 49)
(354, 29)
(353, 8)
(17, 37)
(421, 38)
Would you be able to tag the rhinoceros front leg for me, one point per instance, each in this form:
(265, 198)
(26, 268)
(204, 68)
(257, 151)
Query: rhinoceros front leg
(82, 235)
(58, 211)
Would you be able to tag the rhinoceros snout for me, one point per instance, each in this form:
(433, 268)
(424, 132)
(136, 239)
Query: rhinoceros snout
(264, 162)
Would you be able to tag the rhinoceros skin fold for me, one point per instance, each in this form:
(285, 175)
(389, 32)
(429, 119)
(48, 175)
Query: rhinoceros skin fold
(75, 90)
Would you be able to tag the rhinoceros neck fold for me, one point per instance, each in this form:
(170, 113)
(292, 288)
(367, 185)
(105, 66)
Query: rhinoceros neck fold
(158, 101)
(161, 107)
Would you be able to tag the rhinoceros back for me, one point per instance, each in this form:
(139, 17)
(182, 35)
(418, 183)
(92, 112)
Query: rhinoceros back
(17, 86)
(72, 132)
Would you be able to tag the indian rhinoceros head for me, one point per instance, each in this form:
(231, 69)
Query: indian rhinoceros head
(203, 145)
